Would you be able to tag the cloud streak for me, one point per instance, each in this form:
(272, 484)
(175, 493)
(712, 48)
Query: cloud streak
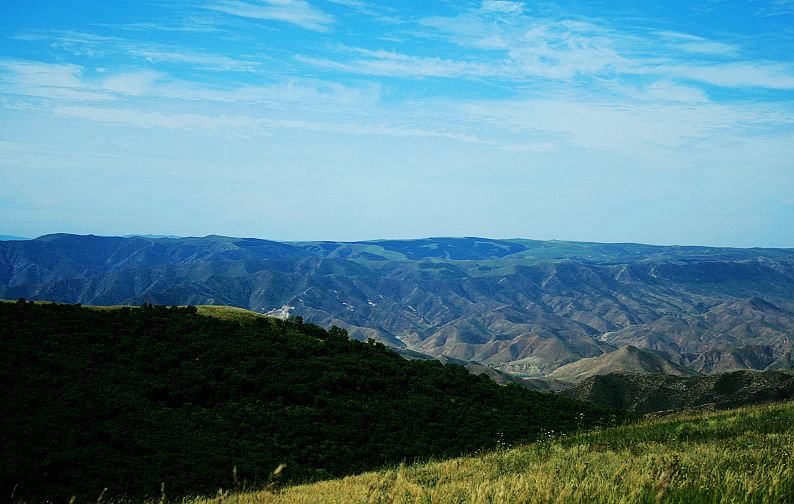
(522, 48)
(101, 46)
(241, 125)
(297, 12)
(392, 64)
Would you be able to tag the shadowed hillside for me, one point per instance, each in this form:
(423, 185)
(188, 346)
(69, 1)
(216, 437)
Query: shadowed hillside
(654, 393)
(129, 398)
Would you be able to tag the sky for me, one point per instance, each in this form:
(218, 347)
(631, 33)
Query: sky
(667, 122)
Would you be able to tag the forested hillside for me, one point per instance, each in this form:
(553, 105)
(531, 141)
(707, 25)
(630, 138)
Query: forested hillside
(131, 398)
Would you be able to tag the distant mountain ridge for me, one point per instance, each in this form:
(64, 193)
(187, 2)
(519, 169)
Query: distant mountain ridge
(521, 306)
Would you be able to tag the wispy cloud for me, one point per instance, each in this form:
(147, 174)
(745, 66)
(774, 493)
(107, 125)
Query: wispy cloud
(152, 119)
(518, 50)
(47, 80)
(73, 83)
(203, 61)
(776, 8)
(381, 13)
(96, 46)
(392, 64)
(696, 44)
(297, 12)
(525, 47)
(246, 126)
(132, 83)
(732, 75)
(191, 24)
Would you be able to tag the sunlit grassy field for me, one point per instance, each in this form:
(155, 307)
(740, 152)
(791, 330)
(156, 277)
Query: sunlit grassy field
(218, 311)
(744, 455)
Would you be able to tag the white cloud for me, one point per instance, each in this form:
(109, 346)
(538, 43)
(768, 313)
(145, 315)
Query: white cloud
(732, 75)
(563, 49)
(245, 126)
(776, 8)
(697, 45)
(502, 6)
(309, 95)
(556, 50)
(192, 24)
(666, 91)
(47, 80)
(647, 131)
(203, 61)
(298, 12)
(356, 4)
(132, 83)
(70, 83)
(92, 45)
(39, 74)
(151, 119)
(387, 63)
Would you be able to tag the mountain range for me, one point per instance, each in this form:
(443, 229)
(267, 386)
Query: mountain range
(520, 306)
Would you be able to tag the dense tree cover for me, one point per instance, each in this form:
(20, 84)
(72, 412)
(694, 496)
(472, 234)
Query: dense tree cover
(135, 397)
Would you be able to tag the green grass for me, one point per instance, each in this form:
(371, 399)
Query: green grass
(742, 455)
(228, 312)
(217, 311)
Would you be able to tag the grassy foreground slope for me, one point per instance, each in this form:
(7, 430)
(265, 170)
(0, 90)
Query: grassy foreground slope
(743, 455)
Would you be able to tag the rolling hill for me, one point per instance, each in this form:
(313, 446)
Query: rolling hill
(521, 306)
(656, 393)
(627, 359)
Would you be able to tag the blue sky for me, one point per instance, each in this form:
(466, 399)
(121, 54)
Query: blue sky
(659, 122)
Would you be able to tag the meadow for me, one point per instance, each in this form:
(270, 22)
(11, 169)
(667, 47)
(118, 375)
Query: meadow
(742, 455)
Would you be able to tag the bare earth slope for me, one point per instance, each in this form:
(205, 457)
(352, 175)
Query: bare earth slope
(626, 359)
(751, 333)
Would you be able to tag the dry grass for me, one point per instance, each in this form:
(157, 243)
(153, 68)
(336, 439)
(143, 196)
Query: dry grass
(743, 455)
